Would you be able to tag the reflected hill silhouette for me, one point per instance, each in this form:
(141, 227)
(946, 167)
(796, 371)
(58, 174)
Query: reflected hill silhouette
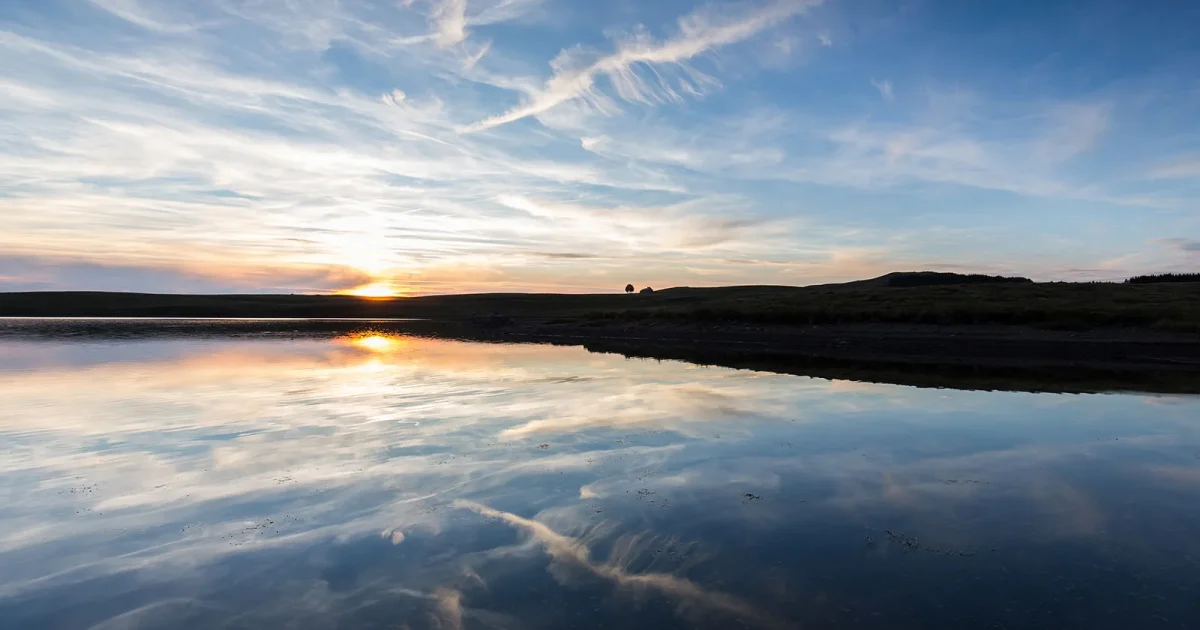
(878, 355)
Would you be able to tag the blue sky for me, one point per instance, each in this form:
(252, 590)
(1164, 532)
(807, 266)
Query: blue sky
(476, 145)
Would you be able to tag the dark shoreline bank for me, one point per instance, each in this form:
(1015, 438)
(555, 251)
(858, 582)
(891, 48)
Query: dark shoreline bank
(1070, 337)
(993, 358)
(1170, 307)
(964, 357)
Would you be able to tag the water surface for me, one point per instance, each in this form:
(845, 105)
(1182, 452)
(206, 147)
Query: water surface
(364, 480)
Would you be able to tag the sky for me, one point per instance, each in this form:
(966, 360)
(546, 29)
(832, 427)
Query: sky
(440, 146)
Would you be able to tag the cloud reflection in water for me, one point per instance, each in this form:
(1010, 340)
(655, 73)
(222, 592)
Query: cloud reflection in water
(321, 481)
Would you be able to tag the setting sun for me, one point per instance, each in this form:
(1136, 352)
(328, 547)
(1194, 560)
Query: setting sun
(373, 290)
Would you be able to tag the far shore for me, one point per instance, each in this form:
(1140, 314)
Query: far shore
(988, 357)
(920, 328)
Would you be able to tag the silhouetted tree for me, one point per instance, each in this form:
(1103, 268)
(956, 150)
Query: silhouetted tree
(629, 288)
(934, 278)
(1164, 277)
(646, 290)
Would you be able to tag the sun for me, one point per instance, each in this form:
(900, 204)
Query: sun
(373, 290)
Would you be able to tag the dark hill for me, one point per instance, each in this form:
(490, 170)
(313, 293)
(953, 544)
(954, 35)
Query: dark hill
(900, 298)
(932, 279)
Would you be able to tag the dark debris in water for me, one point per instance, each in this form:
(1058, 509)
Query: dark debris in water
(910, 543)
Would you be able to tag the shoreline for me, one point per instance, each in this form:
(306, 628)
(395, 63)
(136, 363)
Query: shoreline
(1006, 358)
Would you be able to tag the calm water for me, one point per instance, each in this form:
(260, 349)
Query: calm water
(373, 481)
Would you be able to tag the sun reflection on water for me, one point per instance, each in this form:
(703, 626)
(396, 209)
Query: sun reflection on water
(379, 343)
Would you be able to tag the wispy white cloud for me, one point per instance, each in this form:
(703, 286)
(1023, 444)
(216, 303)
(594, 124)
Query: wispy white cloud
(473, 58)
(1187, 246)
(1074, 129)
(694, 225)
(691, 597)
(1186, 168)
(575, 75)
(449, 18)
(138, 13)
(49, 272)
(885, 89)
(500, 11)
(1028, 156)
(451, 24)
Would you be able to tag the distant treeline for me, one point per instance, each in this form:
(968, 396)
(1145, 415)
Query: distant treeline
(934, 278)
(1164, 277)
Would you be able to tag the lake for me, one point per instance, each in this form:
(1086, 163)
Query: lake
(360, 479)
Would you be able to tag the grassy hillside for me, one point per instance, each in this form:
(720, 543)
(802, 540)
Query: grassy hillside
(1056, 305)
(931, 278)
(1167, 306)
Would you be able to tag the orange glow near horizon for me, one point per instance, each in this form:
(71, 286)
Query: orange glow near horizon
(373, 290)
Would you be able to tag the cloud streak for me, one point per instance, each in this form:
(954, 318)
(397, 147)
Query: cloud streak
(134, 12)
(699, 33)
(885, 89)
(1188, 168)
(688, 595)
(36, 273)
(1187, 246)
